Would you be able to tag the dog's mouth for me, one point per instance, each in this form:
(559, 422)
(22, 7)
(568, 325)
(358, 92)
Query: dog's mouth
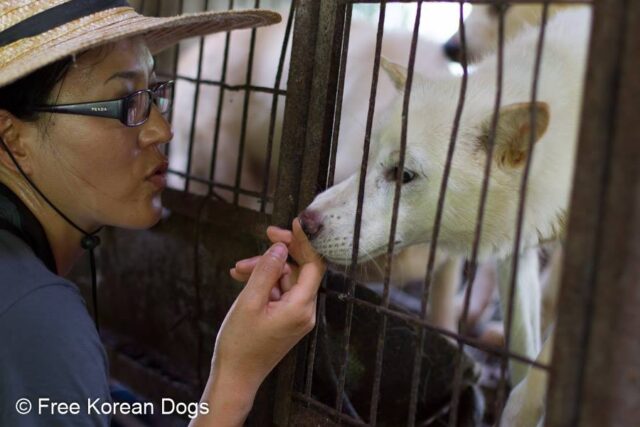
(364, 255)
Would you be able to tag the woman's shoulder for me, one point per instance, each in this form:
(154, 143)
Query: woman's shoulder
(50, 346)
(23, 275)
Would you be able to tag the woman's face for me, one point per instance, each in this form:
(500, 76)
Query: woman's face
(97, 170)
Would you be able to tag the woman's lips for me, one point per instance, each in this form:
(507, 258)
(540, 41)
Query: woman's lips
(159, 180)
(158, 176)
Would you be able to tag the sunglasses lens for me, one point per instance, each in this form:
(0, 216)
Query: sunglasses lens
(163, 94)
(138, 109)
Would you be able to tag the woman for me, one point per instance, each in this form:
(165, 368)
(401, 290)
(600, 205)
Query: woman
(81, 128)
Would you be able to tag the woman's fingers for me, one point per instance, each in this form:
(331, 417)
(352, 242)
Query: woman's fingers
(240, 277)
(300, 248)
(277, 234)
(247, 265)
(266, 274)
(275, 294)
(308, 283)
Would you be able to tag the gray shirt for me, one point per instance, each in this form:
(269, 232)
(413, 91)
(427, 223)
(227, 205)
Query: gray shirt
(49, 346)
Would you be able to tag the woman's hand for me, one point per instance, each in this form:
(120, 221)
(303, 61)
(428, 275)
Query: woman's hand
(260, 329)
(301, 252)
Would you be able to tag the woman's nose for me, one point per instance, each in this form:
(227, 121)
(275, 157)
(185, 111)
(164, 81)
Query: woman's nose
(156, 130)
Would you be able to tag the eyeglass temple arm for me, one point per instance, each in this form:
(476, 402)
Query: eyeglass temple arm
(109, 109)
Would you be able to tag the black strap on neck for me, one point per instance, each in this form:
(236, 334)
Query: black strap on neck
(26, 227)
(55, 17)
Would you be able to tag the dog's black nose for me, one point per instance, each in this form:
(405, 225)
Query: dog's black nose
(452, 50)
(311, 222)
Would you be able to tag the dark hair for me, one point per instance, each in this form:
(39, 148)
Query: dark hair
(21, 96)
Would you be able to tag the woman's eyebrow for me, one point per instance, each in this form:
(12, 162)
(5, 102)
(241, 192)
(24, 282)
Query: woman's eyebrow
(130, 74)
(126, 75)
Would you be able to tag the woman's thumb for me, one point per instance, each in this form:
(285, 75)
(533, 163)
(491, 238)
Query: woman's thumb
(267, 272)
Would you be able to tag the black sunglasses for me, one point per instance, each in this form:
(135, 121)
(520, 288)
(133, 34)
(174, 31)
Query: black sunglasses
(132, 110)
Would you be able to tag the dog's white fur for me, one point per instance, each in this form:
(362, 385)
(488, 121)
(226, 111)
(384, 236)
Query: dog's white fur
(269, 42)
(481, 26)
(430, 119)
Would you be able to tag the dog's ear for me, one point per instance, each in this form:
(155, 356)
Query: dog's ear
(397, 73)
(513, 133)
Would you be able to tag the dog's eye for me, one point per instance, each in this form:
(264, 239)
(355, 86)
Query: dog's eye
(407, 175)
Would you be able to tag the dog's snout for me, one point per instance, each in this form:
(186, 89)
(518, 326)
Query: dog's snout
(452, 50)
(311, 222)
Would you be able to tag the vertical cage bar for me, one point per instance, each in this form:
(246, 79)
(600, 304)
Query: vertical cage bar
(311, 354)
(520, 214)
(245, 112)
(323, 112)
(196, 98)
(310, 100)
(216, 131)
(457, 376)
(480, 215)
(174, 70)
(274, 109)
(344, 350)
(403, 148)
(594, 382)
(338, 109)
(382, 327)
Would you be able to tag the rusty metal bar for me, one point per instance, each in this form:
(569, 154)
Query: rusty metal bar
(328, 410)
(311, 354)
(223, 86)
(457, 376)
(520, 216)
(417, 365)
(196, 98)
(294, 127)
(382, 327)
(176, 53)
(323, 113)
(567, 2)
(342, 40)
(218, 213)
(424, 324)
(595, 377)
(344, 350)
(214, 184)
(311, 21)
(274, 109)
(245, 112)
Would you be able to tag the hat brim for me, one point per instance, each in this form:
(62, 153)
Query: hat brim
(25, 56)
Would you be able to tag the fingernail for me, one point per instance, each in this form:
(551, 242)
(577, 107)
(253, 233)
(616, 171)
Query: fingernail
(280, 251)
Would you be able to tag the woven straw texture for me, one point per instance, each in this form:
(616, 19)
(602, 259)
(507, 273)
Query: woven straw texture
(26, 55)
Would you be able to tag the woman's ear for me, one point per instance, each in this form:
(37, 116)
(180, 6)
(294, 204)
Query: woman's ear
(13, 144)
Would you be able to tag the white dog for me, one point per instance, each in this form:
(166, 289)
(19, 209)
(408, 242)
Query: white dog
(409, 266)
(268, 47)
(329, 219)
(481, 28)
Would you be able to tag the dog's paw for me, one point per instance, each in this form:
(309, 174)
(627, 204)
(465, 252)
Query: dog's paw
(524, 408)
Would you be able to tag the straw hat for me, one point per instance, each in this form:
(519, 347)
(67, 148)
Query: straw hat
(35, 33)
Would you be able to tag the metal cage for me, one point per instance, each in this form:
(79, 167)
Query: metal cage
(165, 291)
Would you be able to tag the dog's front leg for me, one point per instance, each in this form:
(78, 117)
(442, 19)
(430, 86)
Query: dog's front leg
(525, 407)
(524, 337)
